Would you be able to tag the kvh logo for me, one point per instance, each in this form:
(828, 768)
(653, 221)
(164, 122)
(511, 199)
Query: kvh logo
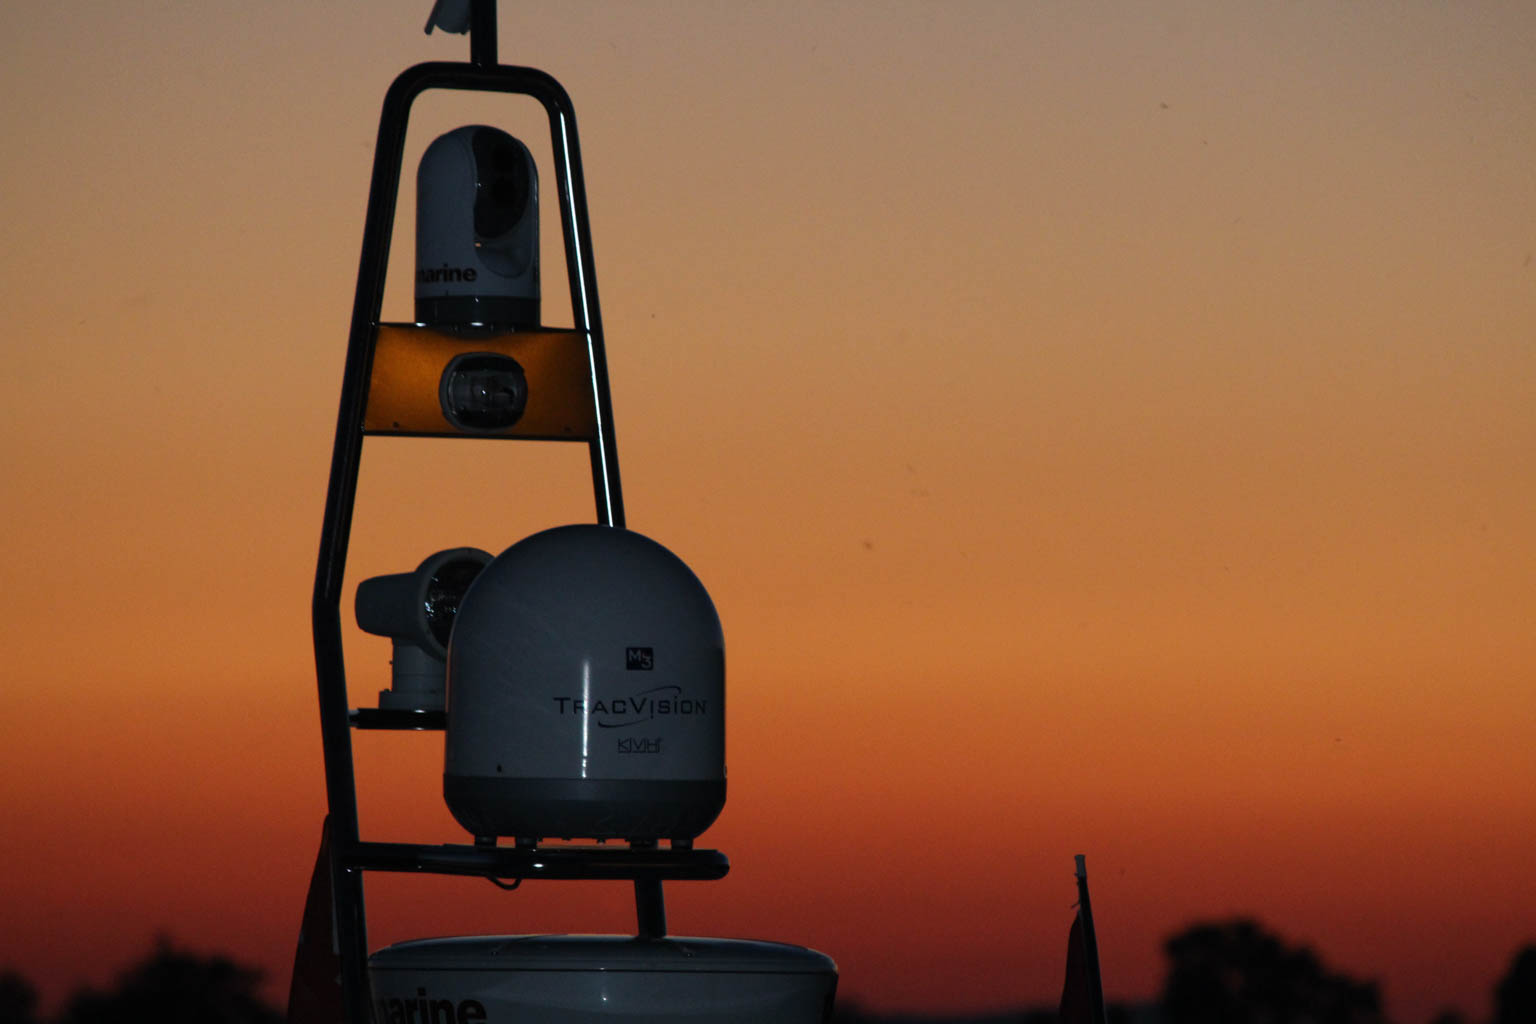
(640, 745)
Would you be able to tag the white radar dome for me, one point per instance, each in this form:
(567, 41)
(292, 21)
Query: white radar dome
(579, 979)
(586, 693)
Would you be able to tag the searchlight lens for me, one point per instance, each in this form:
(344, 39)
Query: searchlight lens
(483, 392)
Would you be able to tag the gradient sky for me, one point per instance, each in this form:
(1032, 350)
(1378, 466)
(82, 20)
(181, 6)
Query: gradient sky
(1104, 428)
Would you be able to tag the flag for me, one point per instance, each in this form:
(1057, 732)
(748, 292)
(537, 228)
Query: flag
(314, 996)
(1082, 994)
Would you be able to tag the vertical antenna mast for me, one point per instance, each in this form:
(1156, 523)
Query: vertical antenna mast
(482, 32)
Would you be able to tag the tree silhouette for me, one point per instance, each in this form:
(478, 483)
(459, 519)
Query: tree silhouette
(1514, 999)
(18, 999)
(1236, 973)
(172, 986)
(1448, 1016)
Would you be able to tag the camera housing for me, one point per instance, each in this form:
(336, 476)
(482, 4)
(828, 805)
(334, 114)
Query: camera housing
(477, 232)
(416, 610)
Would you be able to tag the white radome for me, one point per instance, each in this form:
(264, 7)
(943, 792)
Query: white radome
(586, 693)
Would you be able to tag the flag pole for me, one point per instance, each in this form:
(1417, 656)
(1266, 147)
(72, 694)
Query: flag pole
(1090, 942)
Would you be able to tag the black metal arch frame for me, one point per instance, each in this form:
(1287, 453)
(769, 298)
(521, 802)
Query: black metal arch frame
(350, 856)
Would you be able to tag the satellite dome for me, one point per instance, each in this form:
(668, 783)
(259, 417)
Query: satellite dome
(586, 693)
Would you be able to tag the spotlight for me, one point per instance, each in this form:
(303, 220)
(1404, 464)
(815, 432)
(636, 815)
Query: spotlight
(416, 610)
(483, 391)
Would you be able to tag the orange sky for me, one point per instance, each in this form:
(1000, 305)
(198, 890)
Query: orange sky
(1102, 430)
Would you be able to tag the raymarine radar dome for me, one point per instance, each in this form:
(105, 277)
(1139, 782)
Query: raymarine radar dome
(586, 693)
(582, 979)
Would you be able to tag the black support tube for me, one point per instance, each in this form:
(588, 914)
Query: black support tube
(567, 862)
(482, 32)
(650, 908)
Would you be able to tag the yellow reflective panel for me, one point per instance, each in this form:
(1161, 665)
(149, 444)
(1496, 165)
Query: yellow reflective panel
(408, 365)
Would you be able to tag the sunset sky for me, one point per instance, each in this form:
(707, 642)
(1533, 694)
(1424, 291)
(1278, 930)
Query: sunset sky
(1104, 428)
